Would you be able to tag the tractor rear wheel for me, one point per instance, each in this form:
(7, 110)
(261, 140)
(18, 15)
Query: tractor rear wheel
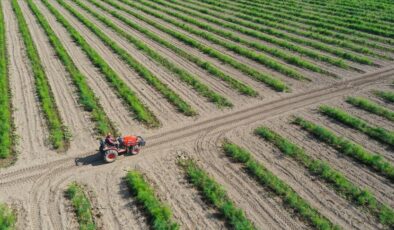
(110, 156)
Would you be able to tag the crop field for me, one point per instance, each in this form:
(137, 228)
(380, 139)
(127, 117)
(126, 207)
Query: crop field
(257, 114)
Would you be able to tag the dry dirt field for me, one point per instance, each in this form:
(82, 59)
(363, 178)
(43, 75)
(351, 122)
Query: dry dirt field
(191, 76)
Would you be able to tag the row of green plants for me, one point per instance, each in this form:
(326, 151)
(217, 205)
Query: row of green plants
(364, 8)
(371, 107)
(7, 218)
(378, 133)
(284, 8)
(360, 197)
(209, 67)
(270, 81)
(246, 9)
(82, 206)
(216, 195)
(159, 214)
(226, 22)
(353, 18)
(289, 58)
(277, 41)
(248, 53)
(309, 21)
(307, 31)
(87, 98)
(385, 95)
(325, 36)
(181, 73)
(6, 127)
(256, 24)
(142, 113)
(368, 29)
(383, 15)
(290, 25)
(267, 179)
(333, 11)
(58, 135)
(368, 10)
(170, 95)
(349, 148)
(329, 17)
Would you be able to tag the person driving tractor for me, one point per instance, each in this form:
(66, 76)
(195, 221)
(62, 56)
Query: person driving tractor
(110, 140)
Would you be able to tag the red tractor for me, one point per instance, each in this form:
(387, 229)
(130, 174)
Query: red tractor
(110, 150)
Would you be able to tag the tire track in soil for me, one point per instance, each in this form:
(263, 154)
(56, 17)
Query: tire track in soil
(64, 92)
(112, 105)
(43, 210)
(170, 184)
(21, 214)
(128, 213)
(154, 100)
(49, 196)
(317, 193)
(259, 206)
(29, 121)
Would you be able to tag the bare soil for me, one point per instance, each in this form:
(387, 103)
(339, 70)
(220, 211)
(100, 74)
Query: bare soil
(35, 185)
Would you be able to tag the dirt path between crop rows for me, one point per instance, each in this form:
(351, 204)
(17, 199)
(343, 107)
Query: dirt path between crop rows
(29, 121)
(75, 119)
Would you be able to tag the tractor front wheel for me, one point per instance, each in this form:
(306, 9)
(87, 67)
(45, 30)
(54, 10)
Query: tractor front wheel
(110, 156)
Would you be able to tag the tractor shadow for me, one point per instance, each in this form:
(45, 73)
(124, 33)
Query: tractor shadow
(93, 160)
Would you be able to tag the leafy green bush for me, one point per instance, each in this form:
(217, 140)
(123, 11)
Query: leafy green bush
(266, 178)
(253, 73)
(5, 97)
(7, 218)
(181, 73)
(377, 133)
(349, 148)
(86, 95)
(159, 213)
(81, 205)
(120, 87)
(385, 95)
(370, 106)
(215, 194)
(57, 131)
(171, 96)
(337, 180)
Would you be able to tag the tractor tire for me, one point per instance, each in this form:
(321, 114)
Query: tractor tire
(110, 156)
